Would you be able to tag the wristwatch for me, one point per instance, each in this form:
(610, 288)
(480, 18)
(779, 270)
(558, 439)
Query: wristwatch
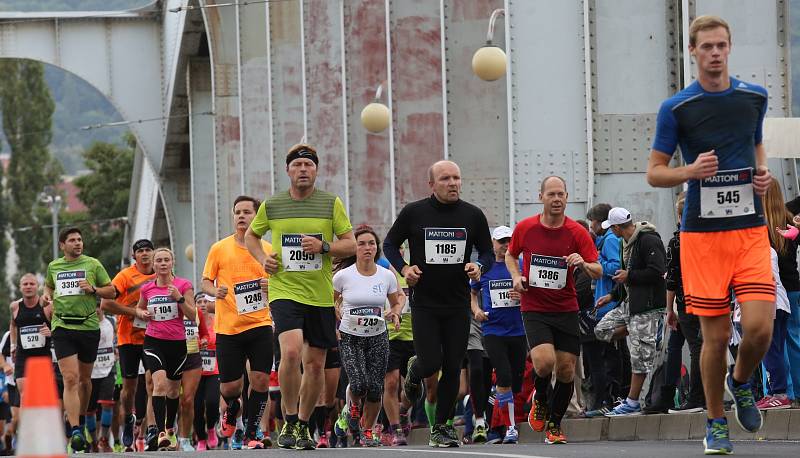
(326, 247)
(181, 300)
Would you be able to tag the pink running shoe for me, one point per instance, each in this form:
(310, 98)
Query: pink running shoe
(763, 401)
(201, 445)
(213, 441)
(777, 402)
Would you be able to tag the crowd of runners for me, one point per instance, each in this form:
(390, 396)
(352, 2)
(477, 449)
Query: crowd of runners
(324, 335)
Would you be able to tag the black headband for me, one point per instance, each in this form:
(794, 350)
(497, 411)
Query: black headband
(302, 154)
(142, 243)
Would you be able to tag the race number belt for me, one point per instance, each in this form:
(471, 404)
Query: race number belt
(31, 338)
(162, 308)
(209, 358)
(726, 194)
(499, 291)
(249, 297)
(445, 245)
(363, 321)
(68, 283)
(548, 272)
(190, 327)
(105, 358)
(294, 258)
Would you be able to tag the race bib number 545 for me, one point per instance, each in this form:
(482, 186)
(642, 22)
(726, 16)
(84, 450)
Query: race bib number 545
(445, 245)
(294, 258)
(726, 194)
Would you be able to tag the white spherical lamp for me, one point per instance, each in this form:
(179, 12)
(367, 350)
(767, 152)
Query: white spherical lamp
(375, 117)
(189, 252)
(489, 63)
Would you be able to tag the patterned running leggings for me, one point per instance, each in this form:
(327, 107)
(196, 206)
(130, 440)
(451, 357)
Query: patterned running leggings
(364, 360)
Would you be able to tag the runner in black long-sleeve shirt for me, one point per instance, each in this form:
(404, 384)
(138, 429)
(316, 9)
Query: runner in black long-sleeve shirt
(441, 232)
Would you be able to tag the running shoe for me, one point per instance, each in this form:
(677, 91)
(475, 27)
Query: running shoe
(625, 410)
(405, 424)
(77, 441)
(185, 444)
(226, 427)
(163, 441)
(201, 445)
(103, 446)
(213, 441)
(554, 435)
(687, 407)
(354, 420)
(601, 412)
(479, 434)
(512, 435)
(237, 440)
(440, 438)
(323, 441)
(151, 439)
(173, 439)
(253, 444)
(747, 414)
(304, 440)
(777, 402)
(399, 438)
(717, 440)
(127, 431)
(265, 440)
(537, 417)
(340, 425)
(368, 439)
(452, 434)
(140, 444)
(412, 388)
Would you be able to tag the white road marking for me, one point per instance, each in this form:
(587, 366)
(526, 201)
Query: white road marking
(448, 451)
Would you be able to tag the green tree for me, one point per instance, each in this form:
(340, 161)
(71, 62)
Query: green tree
(105, 191)
(27, 109)
(5, 293)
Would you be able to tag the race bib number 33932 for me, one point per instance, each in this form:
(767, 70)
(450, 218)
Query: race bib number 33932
(68, 283)
(293, 257)
(548, 272)
(728, 193)
(445, 245)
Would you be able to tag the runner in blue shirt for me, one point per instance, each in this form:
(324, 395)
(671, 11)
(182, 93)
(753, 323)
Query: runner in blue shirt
(503, 333)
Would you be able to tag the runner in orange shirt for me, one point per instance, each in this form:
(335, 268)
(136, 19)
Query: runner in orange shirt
(242, 323)
(130, 333)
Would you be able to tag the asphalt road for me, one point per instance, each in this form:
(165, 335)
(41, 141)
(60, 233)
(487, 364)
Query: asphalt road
(648, 449)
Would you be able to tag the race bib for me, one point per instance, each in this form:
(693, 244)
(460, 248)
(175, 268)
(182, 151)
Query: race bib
(445, 245)
(249, 297)
(498, 293)
(139, 323)
(209, 358)
(363, 321)
(294, 258)
(31, 338)
(726, 194)
(548, 272)
(191, 329)
(68, 283)
(105, 358)
(162, 308)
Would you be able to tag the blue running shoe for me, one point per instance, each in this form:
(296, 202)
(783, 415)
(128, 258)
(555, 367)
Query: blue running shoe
(77, 441)
(512, 436)
(625, 410)
(744, 406)
(237, 440)
(127, 431)
(717, 440)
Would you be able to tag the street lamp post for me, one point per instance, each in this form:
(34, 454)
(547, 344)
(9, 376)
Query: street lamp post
(51, 198)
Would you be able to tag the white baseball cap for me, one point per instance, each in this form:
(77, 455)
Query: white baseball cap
(502, 232)
(616, 215)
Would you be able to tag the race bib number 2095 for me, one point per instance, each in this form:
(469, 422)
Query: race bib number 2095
(293, 257)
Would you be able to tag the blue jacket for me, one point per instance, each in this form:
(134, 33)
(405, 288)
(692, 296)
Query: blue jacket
(608, 247)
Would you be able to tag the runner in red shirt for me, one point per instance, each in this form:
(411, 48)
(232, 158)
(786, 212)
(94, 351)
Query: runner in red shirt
(552, 246)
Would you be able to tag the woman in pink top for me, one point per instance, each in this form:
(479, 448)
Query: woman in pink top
(166, 301)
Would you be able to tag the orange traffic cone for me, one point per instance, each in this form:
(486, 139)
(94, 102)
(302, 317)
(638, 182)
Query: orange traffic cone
(41, 427)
